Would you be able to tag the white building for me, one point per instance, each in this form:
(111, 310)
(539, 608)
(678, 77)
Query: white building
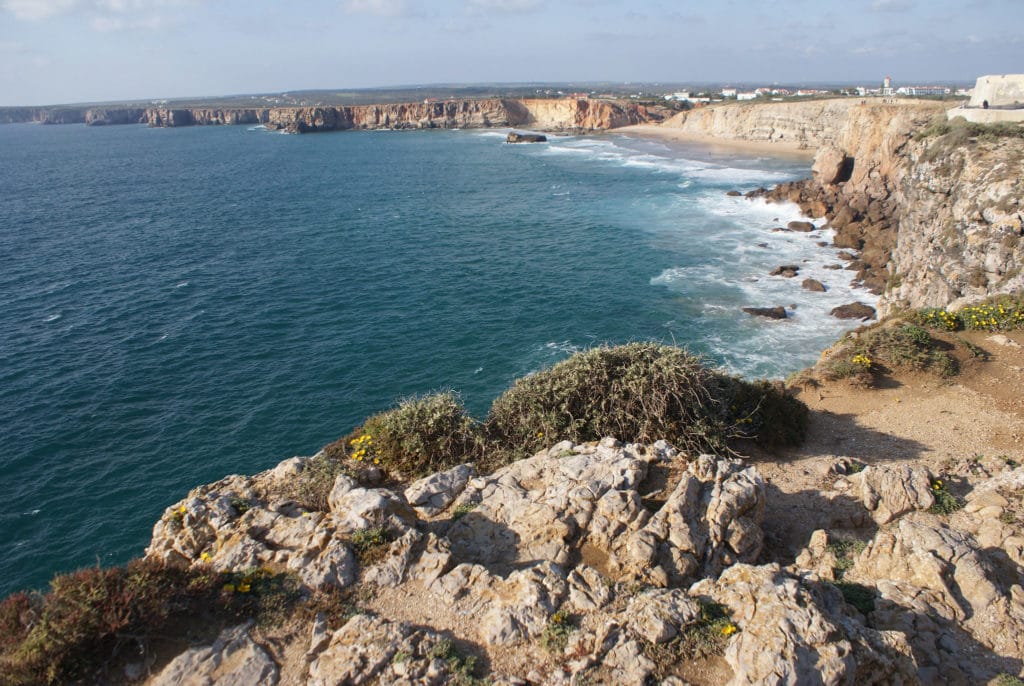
(728, 92)
(746, 96)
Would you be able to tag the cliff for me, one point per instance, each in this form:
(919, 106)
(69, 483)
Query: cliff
(936, 214)
(570, 115)
(808, 124)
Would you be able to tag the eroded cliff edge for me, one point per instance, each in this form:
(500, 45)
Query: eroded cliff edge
(569, 114)
(934, 213)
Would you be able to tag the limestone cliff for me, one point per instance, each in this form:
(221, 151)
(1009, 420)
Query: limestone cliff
(938, 219)
(809, 124)
(581, 115)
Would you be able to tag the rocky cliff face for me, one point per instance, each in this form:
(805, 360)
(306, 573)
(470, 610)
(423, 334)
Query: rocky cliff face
(809, 124)
(937, 221)
(581, 115)
(118, 115)
(553, 115)
(443, 115)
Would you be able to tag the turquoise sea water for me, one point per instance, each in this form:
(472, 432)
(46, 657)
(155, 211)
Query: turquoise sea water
(177, 305)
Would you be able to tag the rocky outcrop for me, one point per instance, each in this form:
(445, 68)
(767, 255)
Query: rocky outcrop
(624, 550)
(938, 220)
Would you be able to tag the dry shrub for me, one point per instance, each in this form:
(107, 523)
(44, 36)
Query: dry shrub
(639, 392)
(421, 435)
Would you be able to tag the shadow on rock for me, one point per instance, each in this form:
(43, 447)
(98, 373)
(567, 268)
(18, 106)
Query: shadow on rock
(791, 518)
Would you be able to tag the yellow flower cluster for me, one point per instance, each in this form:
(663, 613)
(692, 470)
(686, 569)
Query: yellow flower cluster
(729, 629)
(363, 449)
(937, 485)
(862, 361)
(941, 318)
(993, 317)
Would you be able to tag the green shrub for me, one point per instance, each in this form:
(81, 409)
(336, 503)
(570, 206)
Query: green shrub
(765, 412)
(860, 596)
(708, 635)
(556, 633)
(639, 392)
(420, 436)
(907, 345)
(371, 544)
(314, 483)
(844, 550)
(945, 502)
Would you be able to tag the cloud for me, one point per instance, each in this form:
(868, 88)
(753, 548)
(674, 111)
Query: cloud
(106, 24)
(379, 8)
(891, 5)
(37, 10)
(503, 6)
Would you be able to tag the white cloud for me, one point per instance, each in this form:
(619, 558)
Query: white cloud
(503, 6)
(36, 10)
(380, 8)
(891, 5)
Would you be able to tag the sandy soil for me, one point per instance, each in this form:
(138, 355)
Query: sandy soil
(777, 149)
(975, 417)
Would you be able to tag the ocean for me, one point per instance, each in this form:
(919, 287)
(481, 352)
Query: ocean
(177, 305)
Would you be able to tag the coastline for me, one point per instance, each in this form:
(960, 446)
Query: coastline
(661, 132)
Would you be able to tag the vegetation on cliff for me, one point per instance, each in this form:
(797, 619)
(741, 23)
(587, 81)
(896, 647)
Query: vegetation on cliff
(95, 621)
(640, 391)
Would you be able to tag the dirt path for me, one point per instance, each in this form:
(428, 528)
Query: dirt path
(977, 416)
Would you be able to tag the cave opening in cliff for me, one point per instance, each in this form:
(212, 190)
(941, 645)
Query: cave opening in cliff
(845, 170)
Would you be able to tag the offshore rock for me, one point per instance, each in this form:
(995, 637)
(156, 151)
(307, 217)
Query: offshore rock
(856, 310)
(514, 137)
(777, 312)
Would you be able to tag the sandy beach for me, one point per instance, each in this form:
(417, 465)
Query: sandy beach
(668, 133)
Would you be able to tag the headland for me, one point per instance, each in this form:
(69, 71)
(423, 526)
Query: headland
(885, 547)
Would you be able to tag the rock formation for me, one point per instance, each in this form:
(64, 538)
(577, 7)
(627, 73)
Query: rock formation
(624, 548)
(938, 220)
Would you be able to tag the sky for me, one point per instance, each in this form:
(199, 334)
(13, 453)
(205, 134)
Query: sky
(66, 51)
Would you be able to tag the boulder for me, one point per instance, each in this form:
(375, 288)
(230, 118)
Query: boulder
(853, 311)
(795, 630)
(831, 165)
(786, 270)
(801, 226)
(734, 194)
(889, 491)
(234, 659)
(813, 285)
(777, 312)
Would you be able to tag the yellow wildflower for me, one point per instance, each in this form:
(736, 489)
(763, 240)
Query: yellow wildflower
(729, 629)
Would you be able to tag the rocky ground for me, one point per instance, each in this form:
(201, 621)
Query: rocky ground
(845, 561)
